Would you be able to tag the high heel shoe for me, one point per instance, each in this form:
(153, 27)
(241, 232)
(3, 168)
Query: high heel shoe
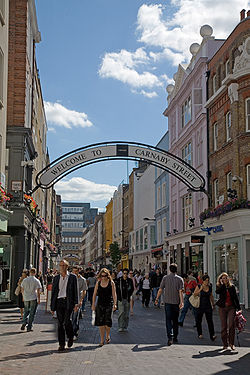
(101, 344)
(108, 340)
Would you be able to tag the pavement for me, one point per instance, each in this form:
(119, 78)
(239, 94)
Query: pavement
(141, 350)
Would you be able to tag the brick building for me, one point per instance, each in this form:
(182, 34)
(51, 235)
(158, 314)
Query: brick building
(228, 108)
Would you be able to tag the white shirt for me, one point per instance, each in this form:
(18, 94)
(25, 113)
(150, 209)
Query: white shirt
(146, 284)
(63, 282)
(30, 285)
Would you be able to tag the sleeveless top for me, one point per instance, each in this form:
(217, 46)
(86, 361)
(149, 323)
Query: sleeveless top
(205, 302)
(104, 294)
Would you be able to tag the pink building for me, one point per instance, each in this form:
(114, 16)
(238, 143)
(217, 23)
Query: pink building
(187, 124)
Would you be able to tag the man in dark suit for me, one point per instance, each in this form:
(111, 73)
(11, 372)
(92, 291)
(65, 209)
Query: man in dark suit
(64, 300)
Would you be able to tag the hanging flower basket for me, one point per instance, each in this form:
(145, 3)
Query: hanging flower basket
(4, 198)
(222, 209)
(30, 202)
(44, 225)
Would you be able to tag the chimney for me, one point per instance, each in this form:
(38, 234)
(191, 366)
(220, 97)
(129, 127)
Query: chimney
(248, 13)
(242, 14)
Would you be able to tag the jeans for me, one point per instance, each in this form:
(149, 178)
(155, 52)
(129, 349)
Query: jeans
(227, 316)
(90, 294)
(187, 305)
(172, 314)
(64, 323)
(84, 302)
(209, 317)
(75, 322)
(145, 296)
(123, 317)
(29, 312)
(154, 295)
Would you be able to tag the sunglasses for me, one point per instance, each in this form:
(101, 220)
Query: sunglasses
(131, 273)
(125, 273)
(104, 275)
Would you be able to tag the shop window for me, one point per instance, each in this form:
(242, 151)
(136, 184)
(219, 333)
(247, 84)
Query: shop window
(226, 260)
(5, 268)
(228, 126)
(186, 112)
(187, 208)
(215, 136)
(216, 192)
(248, 114)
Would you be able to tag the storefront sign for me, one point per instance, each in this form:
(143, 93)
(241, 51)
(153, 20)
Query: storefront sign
(218, 228)
(197, 239)
(133, 151)
(16, 185)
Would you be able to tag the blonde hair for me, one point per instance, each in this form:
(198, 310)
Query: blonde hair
(220, 277)
(104, 270)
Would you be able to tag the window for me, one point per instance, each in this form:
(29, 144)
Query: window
(164, 195)
(228, 126)
(137, 240)
(159, 234)
(248, 181)
(200, 205)
(141, 239)
(187, 207)
(215, 136)
(2, 11)
(158, 197)
(145, 238)
(186, 112)
(164, 227)
(1, 77)
(174, 216)
(229, 180)
(152, 235)
(227, 68)
(216, 192)
(187, 153)
(199, 147)
(248, 114)
(214, 84)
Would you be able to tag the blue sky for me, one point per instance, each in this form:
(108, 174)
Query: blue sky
(104, 67)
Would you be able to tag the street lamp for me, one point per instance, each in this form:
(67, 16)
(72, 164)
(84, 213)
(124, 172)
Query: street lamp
(149, 219)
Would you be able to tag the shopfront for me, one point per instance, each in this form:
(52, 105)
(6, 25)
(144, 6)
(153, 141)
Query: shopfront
(229, 250)
(5, 268)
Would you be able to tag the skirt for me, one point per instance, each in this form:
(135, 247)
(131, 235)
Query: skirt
(103, 315)
(20, 303)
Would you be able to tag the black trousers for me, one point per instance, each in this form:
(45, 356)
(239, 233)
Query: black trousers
(64, 322)
(209, 317)
(146, 296)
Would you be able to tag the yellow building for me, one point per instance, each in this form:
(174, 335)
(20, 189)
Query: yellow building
(108, 226)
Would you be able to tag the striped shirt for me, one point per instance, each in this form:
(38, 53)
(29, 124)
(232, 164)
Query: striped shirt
(172, 284)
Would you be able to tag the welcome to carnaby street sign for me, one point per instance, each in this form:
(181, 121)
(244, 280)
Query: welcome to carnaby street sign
(98, 152)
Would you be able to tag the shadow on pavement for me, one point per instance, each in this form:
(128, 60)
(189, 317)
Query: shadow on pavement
(147, 348)
(41, 342)
(240, 366)
(10, 333)
(214, 353)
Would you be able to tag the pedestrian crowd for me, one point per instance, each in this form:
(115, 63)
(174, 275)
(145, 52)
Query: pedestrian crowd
(108, 292)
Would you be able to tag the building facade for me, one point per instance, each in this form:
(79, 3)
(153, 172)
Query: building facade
(108, 230)
(229, 160)
(187, 123)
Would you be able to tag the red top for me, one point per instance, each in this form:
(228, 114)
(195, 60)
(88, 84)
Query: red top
(228, 299)
(189, 286)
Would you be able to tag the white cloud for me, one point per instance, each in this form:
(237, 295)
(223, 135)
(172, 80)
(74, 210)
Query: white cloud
(79, 189)
(151, 94)
(174, 35)
(51, 129)
(122, 66)
(57, 114)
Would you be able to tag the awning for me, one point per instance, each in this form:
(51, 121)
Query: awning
(156, 249)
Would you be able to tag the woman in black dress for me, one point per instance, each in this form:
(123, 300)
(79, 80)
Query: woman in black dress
(206, 307)
(20, 302)
(106, 303)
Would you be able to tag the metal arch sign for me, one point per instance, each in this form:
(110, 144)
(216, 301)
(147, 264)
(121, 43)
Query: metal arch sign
(79, 158)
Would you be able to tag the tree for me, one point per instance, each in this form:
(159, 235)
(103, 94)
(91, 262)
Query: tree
(115, 254)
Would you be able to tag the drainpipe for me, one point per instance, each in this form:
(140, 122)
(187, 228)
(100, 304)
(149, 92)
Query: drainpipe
(208, 165)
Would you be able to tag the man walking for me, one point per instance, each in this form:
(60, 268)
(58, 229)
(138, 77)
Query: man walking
(190, 284)
(124, 290)
(155, 285)
(31, 289)
(173, 299)
(64, 300)
(81, 289)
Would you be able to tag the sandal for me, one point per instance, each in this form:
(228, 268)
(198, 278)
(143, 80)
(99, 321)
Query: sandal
(101, 344)
(108, 340)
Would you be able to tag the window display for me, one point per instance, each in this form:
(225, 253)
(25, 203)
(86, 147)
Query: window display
(5, 268)
(226, 260)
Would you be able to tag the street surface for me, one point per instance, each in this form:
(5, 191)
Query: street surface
(142, 350)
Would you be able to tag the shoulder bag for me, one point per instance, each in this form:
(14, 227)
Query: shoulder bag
(195, 301)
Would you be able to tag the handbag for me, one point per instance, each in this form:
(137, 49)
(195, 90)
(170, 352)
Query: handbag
(195, 301)
(17, 290)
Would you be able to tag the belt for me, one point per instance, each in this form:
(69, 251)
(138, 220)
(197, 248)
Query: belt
(62, 298)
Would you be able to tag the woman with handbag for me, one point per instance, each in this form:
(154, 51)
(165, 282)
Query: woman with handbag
(228, 303)
(18, 292)
(204, 291)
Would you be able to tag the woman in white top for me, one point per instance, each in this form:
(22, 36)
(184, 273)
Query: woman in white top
(146, 288)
